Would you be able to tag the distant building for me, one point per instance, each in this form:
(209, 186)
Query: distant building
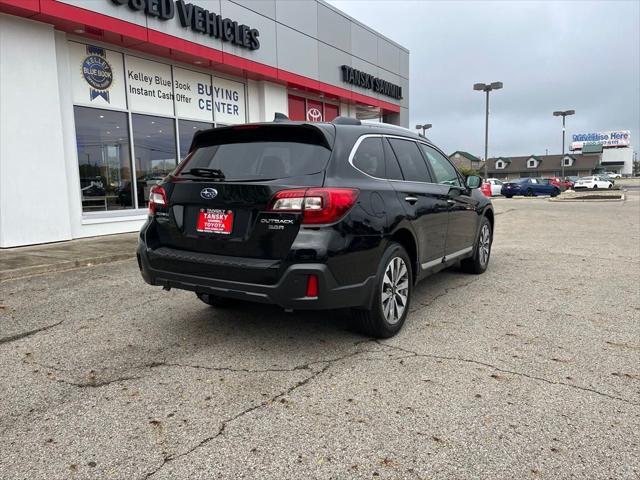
(465, 160)
(581, 165)
(614, 145)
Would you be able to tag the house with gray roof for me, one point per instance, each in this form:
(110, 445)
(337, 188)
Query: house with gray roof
(509, 168)
(463, 159)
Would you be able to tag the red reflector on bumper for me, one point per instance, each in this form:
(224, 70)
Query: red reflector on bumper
(312, 286)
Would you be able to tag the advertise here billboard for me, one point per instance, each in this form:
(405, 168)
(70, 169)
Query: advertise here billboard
(615, 138)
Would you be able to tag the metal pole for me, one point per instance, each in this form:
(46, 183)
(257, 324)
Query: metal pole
(562, 159)
(486, 138)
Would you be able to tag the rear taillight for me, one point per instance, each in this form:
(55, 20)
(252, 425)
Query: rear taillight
(317, 205)
(157, 198)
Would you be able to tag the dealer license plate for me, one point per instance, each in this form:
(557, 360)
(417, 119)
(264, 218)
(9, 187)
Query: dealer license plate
(214, 220)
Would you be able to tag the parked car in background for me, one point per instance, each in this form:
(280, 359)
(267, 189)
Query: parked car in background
(606, 178)
(594, 182)
(485, 188)
(496, 186)
(529, 187)
(562, 184)
(613, 175)
(572, 178)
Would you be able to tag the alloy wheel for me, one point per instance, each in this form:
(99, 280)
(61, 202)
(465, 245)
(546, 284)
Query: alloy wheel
(395, 290)
(484, 245)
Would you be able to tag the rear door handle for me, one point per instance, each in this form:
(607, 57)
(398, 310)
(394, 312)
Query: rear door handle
(411, 200)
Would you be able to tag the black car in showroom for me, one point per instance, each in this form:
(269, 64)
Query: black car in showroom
(314, 216)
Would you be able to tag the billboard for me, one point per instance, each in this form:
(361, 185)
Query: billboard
(615, 138)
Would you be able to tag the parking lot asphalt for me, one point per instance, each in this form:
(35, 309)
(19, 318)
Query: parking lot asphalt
(531, 370)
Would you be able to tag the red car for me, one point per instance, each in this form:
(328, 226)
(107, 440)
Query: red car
(560, 183)
(485, 188)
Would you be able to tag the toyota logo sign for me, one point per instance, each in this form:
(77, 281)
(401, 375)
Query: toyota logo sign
(314, 115)
(209, 193)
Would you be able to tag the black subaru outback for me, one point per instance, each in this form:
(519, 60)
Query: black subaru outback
(314, 216)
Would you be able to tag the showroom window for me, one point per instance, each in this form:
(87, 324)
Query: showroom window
(104, 159)
(310, 110)
(186, 131)
(154, 144)
(135, 118)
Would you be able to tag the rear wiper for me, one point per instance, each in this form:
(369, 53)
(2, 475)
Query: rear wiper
(206, 172)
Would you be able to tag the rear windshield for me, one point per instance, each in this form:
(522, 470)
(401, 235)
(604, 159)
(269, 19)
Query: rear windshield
(259, 160)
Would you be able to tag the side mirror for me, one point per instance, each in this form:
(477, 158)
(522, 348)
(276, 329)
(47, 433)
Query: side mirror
(474, 181)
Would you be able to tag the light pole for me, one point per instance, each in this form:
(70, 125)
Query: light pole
(487, 88)
(563, 114)
(424, 127)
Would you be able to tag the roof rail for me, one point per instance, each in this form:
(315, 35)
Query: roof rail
(394, 127)
(346, 121)
(280, 117)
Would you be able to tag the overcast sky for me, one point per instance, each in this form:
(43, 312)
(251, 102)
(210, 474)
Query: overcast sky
(549, 55)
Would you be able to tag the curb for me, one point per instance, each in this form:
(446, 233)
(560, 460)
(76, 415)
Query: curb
(622, 198)
(588, 200)
(62, 266)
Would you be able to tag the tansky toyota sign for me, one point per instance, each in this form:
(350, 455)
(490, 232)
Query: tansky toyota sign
(617, 138)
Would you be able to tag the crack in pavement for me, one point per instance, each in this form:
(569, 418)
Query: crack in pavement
(305, 366)
(328, 363)
(422, 305)
(96, 384)
(506, 211)
(503, 370)
(19, 336)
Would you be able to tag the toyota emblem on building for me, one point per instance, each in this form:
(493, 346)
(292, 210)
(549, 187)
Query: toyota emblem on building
(314, 115)
(209, 193)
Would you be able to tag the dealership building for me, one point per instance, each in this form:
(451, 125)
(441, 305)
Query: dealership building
(99, 99)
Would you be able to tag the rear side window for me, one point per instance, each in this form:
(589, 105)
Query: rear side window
(411, 162)
(369, 157)
(444, 172)
(262, 160)
(393, 169)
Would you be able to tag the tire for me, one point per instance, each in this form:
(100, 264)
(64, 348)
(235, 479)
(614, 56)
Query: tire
(479, 262)
(610, 186)
(529, 193)
(373, 321)
(216, 301)
(595, 187)
(555, 192)
(509, 196)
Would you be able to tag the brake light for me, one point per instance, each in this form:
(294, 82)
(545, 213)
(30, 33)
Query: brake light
(157, 198)
(317, 205)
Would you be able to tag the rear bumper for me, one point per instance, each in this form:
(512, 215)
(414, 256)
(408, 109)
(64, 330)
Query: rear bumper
(289, 292)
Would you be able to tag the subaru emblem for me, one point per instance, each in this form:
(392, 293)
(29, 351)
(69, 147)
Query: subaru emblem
(209, 193)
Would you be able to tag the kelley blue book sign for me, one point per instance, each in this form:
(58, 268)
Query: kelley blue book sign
(151, 87)
(97, 76)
